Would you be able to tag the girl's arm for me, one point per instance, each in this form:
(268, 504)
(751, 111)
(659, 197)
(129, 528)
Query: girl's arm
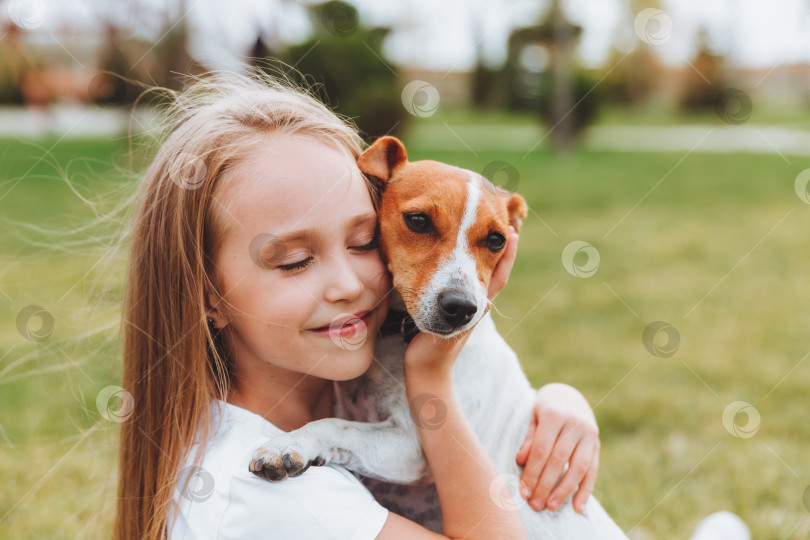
(470, 490)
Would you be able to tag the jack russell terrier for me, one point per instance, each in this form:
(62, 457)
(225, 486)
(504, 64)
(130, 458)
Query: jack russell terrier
(442, 230)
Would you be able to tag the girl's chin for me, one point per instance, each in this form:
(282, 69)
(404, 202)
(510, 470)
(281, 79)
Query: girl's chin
(349, 364)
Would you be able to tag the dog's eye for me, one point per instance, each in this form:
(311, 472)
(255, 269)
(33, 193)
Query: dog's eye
(420, 223)
(495, 241)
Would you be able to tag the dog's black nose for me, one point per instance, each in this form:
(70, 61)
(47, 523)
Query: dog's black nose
(455, 308)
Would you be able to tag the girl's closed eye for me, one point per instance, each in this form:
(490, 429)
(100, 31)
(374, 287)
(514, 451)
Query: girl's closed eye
(370, 246)
(296, 265)
(304, 263)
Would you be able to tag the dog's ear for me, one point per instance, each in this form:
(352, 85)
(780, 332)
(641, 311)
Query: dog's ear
(381, 158)
(517, 208)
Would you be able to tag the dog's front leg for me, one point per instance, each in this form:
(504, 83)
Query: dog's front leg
(384, 450)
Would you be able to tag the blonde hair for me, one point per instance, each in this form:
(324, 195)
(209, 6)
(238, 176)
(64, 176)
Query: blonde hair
(173, 363)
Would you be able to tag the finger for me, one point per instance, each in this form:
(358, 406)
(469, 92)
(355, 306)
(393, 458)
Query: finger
(523, 453)
(429, 351)
(504, 267)
(548, 429)
(553, 469)
(586, 487)
(578, 468)
(439, 345)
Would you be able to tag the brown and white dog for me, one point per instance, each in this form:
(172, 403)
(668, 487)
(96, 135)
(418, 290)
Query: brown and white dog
(442, 231)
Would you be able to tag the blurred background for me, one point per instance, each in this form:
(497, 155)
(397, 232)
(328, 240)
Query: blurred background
(663, 148)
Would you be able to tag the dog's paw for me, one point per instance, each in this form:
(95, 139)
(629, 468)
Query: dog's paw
(283, 457)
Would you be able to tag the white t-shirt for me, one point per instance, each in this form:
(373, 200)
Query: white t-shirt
(225, 501)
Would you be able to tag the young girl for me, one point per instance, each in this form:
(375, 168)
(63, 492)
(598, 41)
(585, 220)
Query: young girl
(253, 237)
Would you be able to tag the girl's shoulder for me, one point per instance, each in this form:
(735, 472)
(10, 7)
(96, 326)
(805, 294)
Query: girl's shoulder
(224, 500)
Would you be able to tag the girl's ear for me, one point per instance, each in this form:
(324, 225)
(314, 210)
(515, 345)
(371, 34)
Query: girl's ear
(517, 208)
(214, 313)
(381, 158)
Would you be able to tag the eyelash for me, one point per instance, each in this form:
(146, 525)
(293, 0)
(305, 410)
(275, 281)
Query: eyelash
(368, 247)
(306, 262)
(295, 266)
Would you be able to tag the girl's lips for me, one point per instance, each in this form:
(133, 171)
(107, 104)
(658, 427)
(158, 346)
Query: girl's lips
(348, 329)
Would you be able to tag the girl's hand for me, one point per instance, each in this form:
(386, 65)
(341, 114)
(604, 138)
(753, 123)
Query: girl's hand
(567, 434)
(504, 266)
(433, 357)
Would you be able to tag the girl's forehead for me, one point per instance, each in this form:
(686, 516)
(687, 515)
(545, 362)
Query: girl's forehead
(294, 178)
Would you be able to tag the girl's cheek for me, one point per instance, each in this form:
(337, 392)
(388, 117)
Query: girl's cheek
(374, 268)
(382, 281)
(281, 294)
(302, 288)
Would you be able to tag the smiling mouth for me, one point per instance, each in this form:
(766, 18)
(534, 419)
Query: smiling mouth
(347, 328)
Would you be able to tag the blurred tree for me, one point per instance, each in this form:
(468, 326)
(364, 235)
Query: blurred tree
(486, 88)
(561, 99)
(484, 85)
(543, 78)
(633, 79)
(171, 60)
(527, 59)
(14, 65)
(114, 85)
(348, 60)
(703, 79)
(127, 66)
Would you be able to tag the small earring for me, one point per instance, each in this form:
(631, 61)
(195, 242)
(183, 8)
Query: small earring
(211, 323)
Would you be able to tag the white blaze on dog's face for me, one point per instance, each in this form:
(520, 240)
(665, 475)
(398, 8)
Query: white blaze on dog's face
(442, 231)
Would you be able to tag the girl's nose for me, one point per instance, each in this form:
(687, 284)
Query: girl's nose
(342, 281)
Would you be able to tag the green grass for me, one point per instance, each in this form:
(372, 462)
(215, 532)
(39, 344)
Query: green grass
(722, 239)
(653, 115)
